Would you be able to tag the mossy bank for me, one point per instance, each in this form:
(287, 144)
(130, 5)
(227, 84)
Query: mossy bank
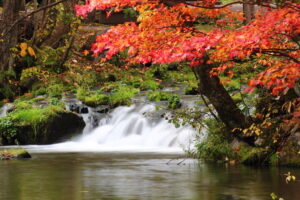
(29, 124)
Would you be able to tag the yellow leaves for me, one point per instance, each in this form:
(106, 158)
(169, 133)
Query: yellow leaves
(289, 177)
(31, 52)
(253, 130)
(23, 53)
(26, 49)
(23, 46)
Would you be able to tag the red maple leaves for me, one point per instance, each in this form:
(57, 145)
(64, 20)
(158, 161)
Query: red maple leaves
(166, 34)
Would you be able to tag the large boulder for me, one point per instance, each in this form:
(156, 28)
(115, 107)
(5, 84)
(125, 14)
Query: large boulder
(57, 127)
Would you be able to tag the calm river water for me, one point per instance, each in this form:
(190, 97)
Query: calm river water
(105, 176)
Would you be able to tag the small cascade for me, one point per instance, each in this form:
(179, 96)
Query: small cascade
(6, 107)
(138, 128)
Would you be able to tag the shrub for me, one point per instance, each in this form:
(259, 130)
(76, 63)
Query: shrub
(174, 102)
(216, 146)
(8, 129)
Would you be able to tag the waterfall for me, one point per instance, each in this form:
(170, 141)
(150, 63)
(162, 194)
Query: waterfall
(138, 128)
(6, 107)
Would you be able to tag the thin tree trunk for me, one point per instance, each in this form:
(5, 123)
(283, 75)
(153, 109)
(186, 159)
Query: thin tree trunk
(249, 12)
(10, 14)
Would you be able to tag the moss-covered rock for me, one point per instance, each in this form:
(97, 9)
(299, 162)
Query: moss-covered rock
(158, 96)
(289, 155)
(97, 99)
(255, 156)
(192, 89)
(8, 154)
(31, 125)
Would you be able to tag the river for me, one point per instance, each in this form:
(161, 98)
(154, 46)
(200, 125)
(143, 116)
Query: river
(93, 176)
(134, 155)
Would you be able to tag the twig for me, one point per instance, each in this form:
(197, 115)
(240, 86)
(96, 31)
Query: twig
(29, 14)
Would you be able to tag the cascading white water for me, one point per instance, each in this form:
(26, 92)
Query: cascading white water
(5, 108)
(127, 129)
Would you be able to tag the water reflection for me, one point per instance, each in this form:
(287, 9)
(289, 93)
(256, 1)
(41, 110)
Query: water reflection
(129, 176)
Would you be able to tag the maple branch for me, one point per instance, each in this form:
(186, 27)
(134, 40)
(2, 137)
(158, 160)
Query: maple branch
(271, 52)
(209, 109)
(229, 4)
(29, 14)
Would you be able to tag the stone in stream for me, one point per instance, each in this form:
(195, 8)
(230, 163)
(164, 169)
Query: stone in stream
(9, 154)
(80, 109)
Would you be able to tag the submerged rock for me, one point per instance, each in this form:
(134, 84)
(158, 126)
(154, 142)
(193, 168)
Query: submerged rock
(8, 154)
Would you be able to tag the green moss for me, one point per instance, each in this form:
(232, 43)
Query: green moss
(26, 118)
(123, 96)
(55, 90)
(34, 116)
(38, 99)
(97, 99)
(254, 156)
(158, 96)
(149, 85)
(82, 93)
(120, 95)
(21, 105)
(192, 89)
(14, 154)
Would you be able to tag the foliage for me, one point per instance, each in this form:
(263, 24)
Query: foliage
(216, 146)
(7, 83)
(165, 34)
(123, 96)
(7, 128)
(174, 102)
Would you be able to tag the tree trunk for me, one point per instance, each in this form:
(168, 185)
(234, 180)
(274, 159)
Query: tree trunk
(249, 12)
(8, 40)
(227, 110)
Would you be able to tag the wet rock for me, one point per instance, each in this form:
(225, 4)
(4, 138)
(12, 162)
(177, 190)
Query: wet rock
(289, 155)
(102, 109)
(9, 154)
(80, 109)
(59, 127)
